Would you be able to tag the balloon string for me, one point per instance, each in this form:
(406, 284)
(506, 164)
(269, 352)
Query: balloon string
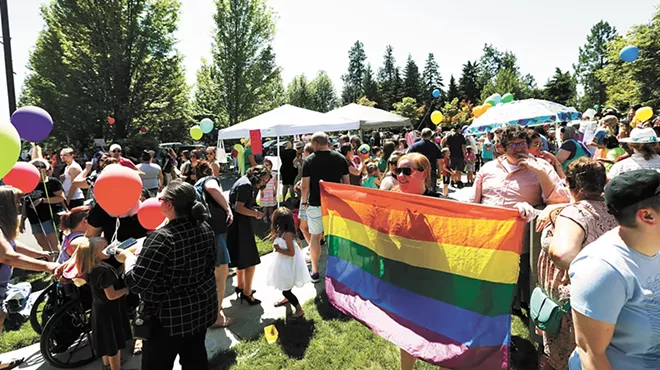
(52, 217)
(428, 111)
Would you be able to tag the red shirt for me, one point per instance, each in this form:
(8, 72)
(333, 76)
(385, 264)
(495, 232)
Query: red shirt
(445, 162)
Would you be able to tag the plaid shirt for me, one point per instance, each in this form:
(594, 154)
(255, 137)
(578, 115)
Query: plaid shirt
(175, 271)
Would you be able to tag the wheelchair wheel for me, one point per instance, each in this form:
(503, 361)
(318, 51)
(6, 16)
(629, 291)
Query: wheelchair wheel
(43, 308)
(66, 340)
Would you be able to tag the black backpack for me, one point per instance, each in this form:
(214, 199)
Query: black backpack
(217, 216)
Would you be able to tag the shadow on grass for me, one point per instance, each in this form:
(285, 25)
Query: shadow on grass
(523, 354)
(223, 360)
(295, 335)
(326, 310)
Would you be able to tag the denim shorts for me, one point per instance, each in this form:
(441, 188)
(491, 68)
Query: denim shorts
(223, 252)
(45, 227)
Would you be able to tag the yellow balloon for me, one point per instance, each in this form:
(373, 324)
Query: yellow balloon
(196, 132)
(486, 107)
(644, 114)
(436, 117)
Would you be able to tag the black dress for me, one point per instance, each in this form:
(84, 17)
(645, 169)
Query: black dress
(287, 169)
(110, 325)
(240, 237)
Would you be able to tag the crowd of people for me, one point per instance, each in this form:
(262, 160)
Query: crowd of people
(596, 198)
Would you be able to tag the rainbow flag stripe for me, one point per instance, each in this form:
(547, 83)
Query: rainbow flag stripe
(434, 277)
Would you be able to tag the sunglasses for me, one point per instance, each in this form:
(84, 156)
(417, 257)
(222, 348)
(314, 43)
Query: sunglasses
(515, 146)
(537, 145)
(406, 171)
(40, 167)
(363, 151)
(116, 151)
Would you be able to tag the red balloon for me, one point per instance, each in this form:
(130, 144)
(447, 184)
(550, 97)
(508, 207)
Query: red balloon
(117, 189)
(111, 121)
(143, 129)
(149, 214)
(23, 176)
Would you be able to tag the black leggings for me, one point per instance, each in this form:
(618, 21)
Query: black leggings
(290, 297)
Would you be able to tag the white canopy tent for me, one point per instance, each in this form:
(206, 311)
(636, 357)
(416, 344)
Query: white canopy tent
(368, 117)
(288, 120)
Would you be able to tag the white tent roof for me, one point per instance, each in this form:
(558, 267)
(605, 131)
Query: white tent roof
(288, 120)
(370, 118)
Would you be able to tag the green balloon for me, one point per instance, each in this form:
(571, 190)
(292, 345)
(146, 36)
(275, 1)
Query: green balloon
(196, 132)
(507, 98)
(596, 107)
(10, 147)
(491, 102)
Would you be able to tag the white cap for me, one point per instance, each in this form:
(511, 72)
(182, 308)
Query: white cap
(114, 147)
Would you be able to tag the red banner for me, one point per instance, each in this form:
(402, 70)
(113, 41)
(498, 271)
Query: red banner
(255, 141)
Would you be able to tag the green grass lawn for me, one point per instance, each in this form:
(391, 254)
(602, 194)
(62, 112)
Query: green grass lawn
(327, 339)
(264, 245)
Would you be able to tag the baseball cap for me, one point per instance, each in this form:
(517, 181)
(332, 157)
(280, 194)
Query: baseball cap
(364, 149)
(114, 147)
(631, 187)
(427, 132)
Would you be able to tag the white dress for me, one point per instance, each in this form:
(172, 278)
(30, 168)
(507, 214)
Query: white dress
(287, 272)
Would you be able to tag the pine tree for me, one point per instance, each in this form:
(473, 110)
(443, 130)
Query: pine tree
(323, 93)
(593, 58)
(560, 88)
(412, 83)
(452, 89)
(369, 85)
(468, 84)
(353, 89)
(431, 78)
(95, 59)
(389, 81)
(299, 93)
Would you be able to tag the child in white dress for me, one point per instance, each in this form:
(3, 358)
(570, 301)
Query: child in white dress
(289, 268)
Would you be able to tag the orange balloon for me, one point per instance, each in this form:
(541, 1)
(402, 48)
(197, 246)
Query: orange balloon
(486, 107)
(117, 189)
(477, 111)
(149, 214)
(111, 121)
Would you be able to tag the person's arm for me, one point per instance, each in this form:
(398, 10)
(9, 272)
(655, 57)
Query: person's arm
(10, 257)
(439, 167)
(26, 251)
(464, 148)
(73, 172)
(355, 171)
(478, 187)
(215, 167)
(566, 242)
(377, 182)
(81, 180)
(553, 191)
(114, 294)
(160, 180)
(253, 162)
(291, 248)
(215, 191)
(305, 189)
(58, 198)
(592, 338)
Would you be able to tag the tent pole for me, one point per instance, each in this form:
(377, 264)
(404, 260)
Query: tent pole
(279, 178)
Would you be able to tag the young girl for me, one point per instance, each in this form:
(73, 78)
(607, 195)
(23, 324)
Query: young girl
(372, 180)
(447, 172)
(110, 325)
(470, 160)
(267, 197)
(289, 268)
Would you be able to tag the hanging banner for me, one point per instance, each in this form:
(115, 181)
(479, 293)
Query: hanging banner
(255, 142)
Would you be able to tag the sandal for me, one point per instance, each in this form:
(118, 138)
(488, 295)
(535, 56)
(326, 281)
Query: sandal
(281, 302)
(227, 322)
(11, 365)
(298, 314)
(137, 347)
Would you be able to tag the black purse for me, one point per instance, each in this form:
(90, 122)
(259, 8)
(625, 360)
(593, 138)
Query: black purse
(145, 320)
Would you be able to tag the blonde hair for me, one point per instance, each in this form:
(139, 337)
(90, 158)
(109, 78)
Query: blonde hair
(422, 163)
(86, 254)
(9, 211)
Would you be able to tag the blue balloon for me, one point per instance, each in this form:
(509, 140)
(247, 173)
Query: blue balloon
(497, 98)
(436, 93)
(206, 125)
(629, 53)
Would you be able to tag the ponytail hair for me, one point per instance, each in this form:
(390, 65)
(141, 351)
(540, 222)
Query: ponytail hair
(73, 218)
(183, 198)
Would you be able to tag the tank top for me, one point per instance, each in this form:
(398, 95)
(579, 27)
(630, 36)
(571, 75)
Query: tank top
(66, 252)
(580, 151)
(68, 181)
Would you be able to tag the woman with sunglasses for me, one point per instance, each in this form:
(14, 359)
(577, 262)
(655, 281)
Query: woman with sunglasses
(212, 160)
(389, 180)
(12, 253)
(536, 149)
(242, 246)
(354, 170)
(41, 207)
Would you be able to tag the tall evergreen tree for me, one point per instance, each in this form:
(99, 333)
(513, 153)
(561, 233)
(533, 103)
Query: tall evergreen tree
(468, 84)
(369, 85)
(560, 88)
(412, 83)
(389, 81)
(452, 89)
(324, 96)
(249, 79)
(431, 78)
(299, 93)
(353, 87)
(96, 59)
(593, 58)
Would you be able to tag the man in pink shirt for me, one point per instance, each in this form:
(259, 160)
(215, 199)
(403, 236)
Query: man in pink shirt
(519, 180)
(115, 152)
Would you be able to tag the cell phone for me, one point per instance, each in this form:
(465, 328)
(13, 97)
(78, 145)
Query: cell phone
(111, 250)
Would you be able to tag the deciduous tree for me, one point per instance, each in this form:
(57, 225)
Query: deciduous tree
(593, 58)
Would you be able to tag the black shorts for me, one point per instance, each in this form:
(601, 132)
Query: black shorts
(457, 164)
(446, 179)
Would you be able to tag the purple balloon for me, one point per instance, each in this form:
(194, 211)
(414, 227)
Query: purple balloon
(32, 123)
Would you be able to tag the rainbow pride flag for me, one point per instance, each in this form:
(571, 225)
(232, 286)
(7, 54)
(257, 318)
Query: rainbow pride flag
(435, 277)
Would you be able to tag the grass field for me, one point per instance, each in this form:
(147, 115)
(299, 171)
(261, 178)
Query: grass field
(327, 339)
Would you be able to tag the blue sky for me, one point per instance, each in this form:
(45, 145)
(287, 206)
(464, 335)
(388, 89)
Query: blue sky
(315, 35)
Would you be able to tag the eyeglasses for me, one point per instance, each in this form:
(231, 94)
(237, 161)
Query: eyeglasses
(406, 171)
(516, 146)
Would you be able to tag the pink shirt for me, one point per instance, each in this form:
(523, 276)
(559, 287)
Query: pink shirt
(495, 185)
(127, 163)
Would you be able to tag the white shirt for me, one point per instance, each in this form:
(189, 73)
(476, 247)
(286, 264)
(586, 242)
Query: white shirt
(635, 162)
(68, 181)
(149, 175)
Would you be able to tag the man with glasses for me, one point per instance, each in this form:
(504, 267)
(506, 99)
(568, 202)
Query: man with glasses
(432, 152)
(74, 195)
(115, 152)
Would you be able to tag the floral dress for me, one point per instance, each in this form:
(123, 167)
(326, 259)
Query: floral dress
(592, 217)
